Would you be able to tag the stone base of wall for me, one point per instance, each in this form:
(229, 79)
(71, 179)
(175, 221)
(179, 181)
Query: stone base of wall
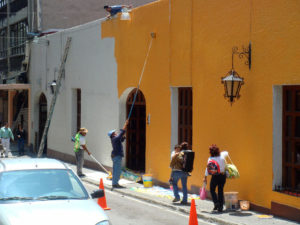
(285, 211)
(260, 209)
(71, 159)
(280, 210)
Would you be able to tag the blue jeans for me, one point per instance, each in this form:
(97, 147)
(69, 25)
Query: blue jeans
(117, 168)
(176, 175)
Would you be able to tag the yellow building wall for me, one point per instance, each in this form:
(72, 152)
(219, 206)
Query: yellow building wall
(132, 43)
(193, 48)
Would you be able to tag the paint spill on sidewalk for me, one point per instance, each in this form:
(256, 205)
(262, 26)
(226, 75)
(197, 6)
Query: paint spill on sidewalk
(265, 216)
(161, 192)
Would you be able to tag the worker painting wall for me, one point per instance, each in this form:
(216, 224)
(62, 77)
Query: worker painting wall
(91, 67)
(193, 48)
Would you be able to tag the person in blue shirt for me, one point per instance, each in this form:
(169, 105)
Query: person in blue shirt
(113, 10)
(117, 153)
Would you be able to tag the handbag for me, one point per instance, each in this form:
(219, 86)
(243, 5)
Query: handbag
(203, 192)
(231, 170)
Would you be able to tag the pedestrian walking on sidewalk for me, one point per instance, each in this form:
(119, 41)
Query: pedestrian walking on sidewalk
(79, 148)
(216, 168)
(117, 153)
(177, 149)
(178, 174)
(21, 135)
(6, 135)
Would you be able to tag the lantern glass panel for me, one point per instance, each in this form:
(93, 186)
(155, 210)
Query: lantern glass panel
(228, 87)
(236, 85)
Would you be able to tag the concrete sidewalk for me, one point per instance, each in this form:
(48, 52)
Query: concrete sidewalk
(164, 197)
(204, 207)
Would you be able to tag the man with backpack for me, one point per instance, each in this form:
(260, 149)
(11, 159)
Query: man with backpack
(178, 173)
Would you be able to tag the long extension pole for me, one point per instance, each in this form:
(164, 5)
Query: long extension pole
(153, 35)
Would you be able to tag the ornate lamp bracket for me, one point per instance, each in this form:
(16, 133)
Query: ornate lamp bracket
(244, 53)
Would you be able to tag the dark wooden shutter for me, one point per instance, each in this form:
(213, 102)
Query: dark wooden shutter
(291, 138)
(185, 115)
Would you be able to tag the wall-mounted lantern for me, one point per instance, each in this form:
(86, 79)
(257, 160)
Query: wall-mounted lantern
(232, 84)
(232, 81)
(53, 86)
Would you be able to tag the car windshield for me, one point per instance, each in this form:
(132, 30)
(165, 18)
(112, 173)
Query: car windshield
(45, 184)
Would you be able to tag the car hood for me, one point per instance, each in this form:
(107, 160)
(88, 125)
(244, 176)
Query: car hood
(51, 212)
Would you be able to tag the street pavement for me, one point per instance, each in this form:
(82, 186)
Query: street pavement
(126, 210)
(161, 197)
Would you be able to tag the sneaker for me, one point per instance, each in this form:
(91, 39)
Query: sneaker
(82, 175)
(117, 186)
(183, 203)
(216, 207)
(176, 200)
(220, 209)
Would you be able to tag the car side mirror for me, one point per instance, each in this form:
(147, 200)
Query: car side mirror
(98, 193)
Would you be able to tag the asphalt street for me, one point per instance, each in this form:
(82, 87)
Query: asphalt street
(130, 211)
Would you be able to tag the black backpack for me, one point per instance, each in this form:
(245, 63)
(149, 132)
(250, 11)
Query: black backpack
(188, 160)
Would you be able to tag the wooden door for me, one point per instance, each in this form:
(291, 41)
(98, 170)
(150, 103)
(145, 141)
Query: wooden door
(136, 133)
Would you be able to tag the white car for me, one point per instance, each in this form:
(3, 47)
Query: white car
(41, 191)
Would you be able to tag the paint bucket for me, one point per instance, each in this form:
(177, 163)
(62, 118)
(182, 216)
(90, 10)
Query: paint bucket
(244, 205)
(147, 180)
(125, 14)
(231, 200)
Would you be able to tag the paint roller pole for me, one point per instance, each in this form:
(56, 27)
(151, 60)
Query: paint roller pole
(153, 35)
(99, 163)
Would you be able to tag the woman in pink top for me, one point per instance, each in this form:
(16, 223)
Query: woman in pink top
(217, 179)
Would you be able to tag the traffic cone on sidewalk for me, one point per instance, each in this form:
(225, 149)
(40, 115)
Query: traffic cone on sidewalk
(102, 201)
(193, 214)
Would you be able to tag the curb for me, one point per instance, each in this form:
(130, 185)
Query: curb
(170, 206)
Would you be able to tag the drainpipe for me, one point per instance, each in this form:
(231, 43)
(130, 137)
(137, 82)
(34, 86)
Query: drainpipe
(170, 44)
(8, 37)
(191, 44)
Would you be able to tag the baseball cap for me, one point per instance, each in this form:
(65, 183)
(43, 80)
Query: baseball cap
(110, 133)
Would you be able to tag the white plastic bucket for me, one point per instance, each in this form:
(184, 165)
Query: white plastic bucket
(231, 200)
(125, 14)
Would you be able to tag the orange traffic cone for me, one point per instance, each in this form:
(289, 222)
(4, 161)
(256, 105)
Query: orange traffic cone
(193, 214)
(102, 201)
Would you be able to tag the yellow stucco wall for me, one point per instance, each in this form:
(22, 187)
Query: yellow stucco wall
(193, 48)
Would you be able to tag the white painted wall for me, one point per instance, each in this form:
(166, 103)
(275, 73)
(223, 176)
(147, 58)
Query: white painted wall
(90, 66)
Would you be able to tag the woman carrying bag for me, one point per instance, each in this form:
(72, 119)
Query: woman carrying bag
(216, 168)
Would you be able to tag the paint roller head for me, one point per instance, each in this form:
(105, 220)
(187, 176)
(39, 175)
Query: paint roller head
(153, 34)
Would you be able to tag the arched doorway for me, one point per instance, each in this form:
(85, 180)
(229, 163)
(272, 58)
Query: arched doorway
(136, 133)
(42, 119)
